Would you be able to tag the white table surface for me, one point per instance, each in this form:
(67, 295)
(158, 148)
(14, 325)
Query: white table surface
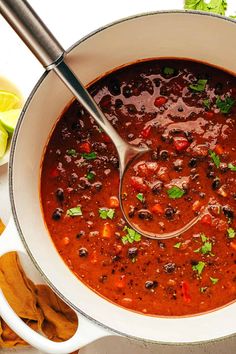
(69, 23)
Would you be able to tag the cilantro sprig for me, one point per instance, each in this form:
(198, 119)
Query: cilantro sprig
(76, 211)
(89, 156)
(140, 197)
(175, 192)
(199, 267)
(225, 105)
(131, 236)
(215, 158)
(215, 6)
(106, 213)
(232, 167)
(199, 86)
(231, 232)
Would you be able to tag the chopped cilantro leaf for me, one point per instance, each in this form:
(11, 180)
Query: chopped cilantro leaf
(130, 236)
(225, 105)
(178, 245)
(203, 237)
(231, 232)
(214, 280)
(206, 248)
(215, 158)
(175, 192)
(215, 6)
(232, 167)
(207, 103)
(199, 86)
(168, 71)
(199, 267)
(90, 156)
(105, 213)
(140, 197)
(90, 176)
(71, 152)
(74, 211)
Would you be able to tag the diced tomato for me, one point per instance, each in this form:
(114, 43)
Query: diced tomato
(147, 168)
(196, 205)
(185, 291)
(138, 184)
(157, 209)
(54, 172)
(219, 149)
(114, 202)
(85, 147)
(209, 114)
(145, 133)
(105, 138)
(233, 245)
(160, 101)
(106, 231)
(206, 220)
(65, 241)
(181, 144)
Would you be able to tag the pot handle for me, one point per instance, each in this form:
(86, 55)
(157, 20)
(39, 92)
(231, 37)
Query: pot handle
(86, 333)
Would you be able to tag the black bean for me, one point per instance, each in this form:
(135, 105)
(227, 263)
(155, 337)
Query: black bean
(218, 88)
(131, 211)
(223, 167)
(180, 109)
(178, 165)
(144, 214)
(161, 244)
(115, 161)
(114, 87)
(127, 92)
(155, 155)
(60, 194)
(228, 212)
(83, 252)
(151, 284)
(164, 155)
(116, 258)
(103, 278)
(157, 82)
(188, 136)
(80, 234)
(193, 162)
(118, 103)
(75, 126)
(157, 188)
(210, 174)
(131, 109)
(56, 215)
(169, 212)
(202, 195)
(132, 252)
(216, 184)
(169, 267)
(98, 186)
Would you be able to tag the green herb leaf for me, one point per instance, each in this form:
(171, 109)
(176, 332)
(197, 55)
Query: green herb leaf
(215, 6)
(207, 103)
(215, 158)
(90, 176)
(74, 211)
(71, 152)
(140, 197)
(199, 267)
(199, 86)
(231, 232)
(178, 245)
(106, 213)
(225, 105)
(168, 71)
(131, 236)
(203, 289)
(203, 237)
(175, 192)
(232, 167)
(90, 156)
(206, 248)
(214, 280)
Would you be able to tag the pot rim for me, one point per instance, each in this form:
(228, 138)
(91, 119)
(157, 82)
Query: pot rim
(11, 173)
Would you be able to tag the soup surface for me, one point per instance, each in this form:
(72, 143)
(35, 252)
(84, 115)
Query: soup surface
(185, 112)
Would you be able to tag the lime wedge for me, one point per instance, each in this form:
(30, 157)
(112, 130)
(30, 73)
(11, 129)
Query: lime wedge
(3, 141)
(8, 101)
(8, 119)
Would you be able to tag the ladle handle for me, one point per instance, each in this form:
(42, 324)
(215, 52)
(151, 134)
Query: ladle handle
(22, 18)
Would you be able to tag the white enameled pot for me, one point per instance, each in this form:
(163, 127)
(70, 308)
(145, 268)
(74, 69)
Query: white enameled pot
(178, 34)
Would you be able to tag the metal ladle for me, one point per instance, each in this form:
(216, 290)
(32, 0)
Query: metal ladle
(30, 28)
